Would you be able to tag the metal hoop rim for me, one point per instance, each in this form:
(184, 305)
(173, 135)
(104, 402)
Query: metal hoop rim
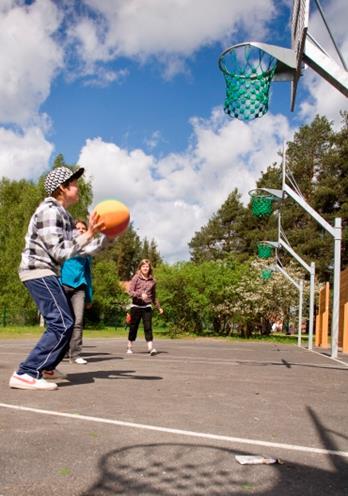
(257, 192)
(227, 50)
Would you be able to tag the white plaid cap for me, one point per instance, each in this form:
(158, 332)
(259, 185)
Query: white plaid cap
(59, 176)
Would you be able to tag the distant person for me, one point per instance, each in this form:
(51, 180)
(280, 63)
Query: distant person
(277, 326)
(76, 279)
(286, 327)
(142, 289)
(49, 241)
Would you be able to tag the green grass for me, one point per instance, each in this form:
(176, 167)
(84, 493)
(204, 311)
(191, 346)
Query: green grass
(23, 332)
(28, 332)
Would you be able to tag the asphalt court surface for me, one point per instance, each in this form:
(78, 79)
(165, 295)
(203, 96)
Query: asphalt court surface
(172, 424)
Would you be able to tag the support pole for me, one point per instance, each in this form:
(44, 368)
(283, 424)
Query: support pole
(336, 233)
(299, 286)
(336, 288)
(299, 335)
(311, 305)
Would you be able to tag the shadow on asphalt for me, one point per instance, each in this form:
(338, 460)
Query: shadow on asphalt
(168, 469)
(289, 365)
(188, 470)
(89, 377)
(86, 354)
(94, 359)
(147, 353)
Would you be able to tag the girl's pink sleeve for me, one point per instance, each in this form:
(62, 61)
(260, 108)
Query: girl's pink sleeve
(132, 287)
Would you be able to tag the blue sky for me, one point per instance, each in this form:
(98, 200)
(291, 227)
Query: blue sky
(131, 90)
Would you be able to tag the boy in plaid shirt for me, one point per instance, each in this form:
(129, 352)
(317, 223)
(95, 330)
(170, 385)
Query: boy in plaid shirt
(49, 241)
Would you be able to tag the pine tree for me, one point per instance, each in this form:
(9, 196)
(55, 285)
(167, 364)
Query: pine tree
(154, 254)
(126, 254)
(221, 235)
(317, 170)
(145, 250)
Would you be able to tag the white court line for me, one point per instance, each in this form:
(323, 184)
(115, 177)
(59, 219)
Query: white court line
(203, 435)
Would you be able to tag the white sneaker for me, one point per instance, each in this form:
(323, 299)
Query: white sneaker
(129, 351)
(26, 381)
(80, 361)
(53, 374)
(153, 351)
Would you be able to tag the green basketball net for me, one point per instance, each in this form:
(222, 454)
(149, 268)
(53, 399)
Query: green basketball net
(261, 206)
(264, 250)
(248, 73)
(266, 274)
(261, 203)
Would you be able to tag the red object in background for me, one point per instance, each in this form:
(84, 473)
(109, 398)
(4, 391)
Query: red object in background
(128, 318)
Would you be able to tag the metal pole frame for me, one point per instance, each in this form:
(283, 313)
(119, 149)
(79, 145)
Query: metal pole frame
(336, 233)
(311, 269)
(299, 286)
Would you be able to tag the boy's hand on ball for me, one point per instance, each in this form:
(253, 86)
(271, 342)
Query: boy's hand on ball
(95, 225)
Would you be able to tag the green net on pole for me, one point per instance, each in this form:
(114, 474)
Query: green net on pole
(261, 202)
(266, 274)
(248, 73)
(264, 250)
(261, 205)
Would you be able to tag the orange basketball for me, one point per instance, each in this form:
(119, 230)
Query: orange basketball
(115, 216)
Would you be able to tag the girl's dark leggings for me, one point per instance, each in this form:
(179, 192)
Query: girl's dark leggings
(138, 314)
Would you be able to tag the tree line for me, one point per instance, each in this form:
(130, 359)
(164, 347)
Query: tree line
(223, 288)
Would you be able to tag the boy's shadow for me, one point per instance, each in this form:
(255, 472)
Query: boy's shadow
(147, 353)
(89, 377)
(91, 357)
(96, 353)
(99, 357)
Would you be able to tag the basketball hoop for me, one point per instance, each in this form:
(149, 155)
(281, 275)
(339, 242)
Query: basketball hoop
(264, 250)
(248, 72)
(266, 274)
(261, 203)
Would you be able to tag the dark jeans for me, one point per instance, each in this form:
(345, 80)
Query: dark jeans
(138, 314)
(53, 305)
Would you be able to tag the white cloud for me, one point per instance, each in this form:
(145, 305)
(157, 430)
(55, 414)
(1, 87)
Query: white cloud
(23, 155)
(29, 58)
(171, 198)
(324, 98)
(153, 140)
(169, 30)
(116, 173)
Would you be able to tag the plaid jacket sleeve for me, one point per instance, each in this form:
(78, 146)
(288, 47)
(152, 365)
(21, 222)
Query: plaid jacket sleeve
(51, 239)
(54, 228)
